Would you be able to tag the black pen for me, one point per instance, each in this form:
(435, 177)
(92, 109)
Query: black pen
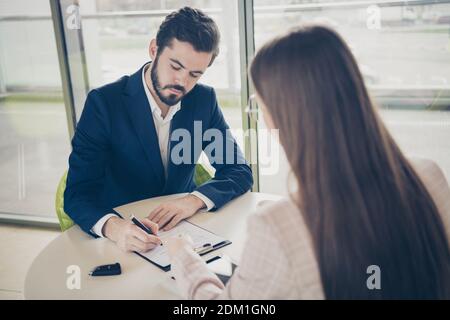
(140, 225)
(217, 245)
(207, 248)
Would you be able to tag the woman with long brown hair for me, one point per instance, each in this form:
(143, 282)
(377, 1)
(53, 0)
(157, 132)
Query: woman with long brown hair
(359, 203)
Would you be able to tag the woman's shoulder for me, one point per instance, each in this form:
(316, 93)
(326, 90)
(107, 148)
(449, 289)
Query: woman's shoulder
(431, 175)
(434, 180)
(428, 170)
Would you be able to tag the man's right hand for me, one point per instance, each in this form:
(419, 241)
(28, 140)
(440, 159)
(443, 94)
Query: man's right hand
(130, 237)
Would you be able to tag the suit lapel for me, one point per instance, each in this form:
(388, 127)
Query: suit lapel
(140, 114)
(180, 121)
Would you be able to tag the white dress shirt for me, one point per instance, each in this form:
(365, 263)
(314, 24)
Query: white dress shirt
(162, 127)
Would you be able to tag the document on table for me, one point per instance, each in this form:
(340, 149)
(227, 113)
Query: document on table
(204, 242)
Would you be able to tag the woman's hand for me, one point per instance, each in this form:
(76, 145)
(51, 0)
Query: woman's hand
(174, 244)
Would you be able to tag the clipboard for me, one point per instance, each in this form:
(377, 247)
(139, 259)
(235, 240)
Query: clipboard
(204, 240)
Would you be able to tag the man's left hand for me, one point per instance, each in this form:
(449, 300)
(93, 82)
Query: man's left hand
(169, 214)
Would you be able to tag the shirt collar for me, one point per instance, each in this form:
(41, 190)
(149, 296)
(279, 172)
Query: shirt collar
(151, 101)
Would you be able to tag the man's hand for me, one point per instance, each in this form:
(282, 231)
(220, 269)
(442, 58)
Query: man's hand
(169, 214)
(130, 237)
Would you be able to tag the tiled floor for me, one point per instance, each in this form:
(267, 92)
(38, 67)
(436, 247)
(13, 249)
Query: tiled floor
(19, 245)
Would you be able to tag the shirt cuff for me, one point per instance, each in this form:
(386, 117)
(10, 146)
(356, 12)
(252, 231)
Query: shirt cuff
(192, 275)
(209, 204)
(97, 228)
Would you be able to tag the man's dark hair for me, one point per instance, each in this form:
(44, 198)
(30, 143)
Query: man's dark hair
(192, 26)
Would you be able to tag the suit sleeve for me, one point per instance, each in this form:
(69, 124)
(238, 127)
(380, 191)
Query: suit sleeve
(87, 163)
(233, 175)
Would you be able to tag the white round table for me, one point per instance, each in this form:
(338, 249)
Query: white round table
(50, 275)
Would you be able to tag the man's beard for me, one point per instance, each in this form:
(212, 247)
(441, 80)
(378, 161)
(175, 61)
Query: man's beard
(172, 99)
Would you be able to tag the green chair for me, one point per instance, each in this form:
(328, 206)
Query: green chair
(65, 222)
(202, 174)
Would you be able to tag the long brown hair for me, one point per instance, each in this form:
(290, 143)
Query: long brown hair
(362, 201)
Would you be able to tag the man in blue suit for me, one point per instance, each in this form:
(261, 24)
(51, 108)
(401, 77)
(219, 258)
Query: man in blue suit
(123, 147)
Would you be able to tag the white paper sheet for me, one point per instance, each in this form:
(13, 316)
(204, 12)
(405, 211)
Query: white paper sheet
(199, 236)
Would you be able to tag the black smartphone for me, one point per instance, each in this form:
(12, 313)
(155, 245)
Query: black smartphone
(222, 266)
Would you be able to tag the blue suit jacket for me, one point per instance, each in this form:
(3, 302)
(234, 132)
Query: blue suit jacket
(116, 158)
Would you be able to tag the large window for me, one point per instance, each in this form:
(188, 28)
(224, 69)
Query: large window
(34, 140)
(116, 36)
(403, 51)
(402, 47)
